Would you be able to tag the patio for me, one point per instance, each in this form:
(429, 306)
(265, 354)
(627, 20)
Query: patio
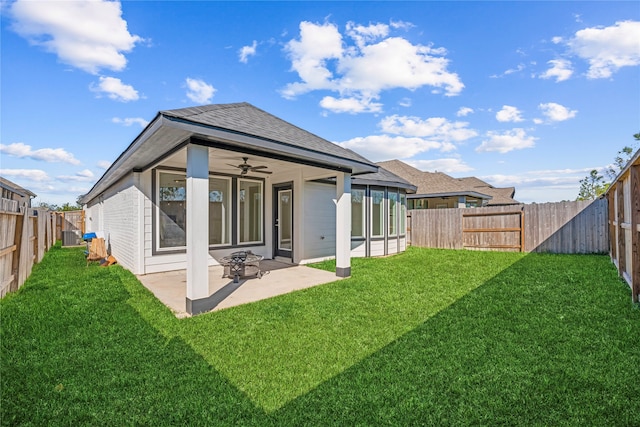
(278, 278)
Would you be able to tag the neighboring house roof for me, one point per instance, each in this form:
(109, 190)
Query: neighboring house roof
(438, 184)
(12, 186)
(239, 127)
(499, 196)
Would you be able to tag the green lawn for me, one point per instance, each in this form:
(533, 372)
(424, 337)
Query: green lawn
(429, 337)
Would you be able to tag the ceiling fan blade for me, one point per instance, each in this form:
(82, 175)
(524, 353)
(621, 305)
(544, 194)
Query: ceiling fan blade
(235, 166)
(267, 172)
(259, 167)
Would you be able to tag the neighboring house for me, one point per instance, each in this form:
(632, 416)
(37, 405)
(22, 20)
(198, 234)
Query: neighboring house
(437, 190)
(13, 191)
(199, 183)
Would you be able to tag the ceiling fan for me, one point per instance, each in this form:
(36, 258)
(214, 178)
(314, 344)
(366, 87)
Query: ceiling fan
(245, 167)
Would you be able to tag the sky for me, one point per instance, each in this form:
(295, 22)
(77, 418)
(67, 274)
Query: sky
(532, 95)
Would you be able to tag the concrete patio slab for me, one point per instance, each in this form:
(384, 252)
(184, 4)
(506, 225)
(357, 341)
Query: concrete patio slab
(278, 278)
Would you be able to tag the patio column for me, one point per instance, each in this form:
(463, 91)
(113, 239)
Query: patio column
(343, 225)
(197, 228)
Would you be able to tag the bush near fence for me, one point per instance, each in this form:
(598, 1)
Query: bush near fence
(25, 235)
(563, 227)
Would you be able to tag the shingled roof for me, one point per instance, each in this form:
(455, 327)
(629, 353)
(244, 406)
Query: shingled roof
(244, 118)
(438, 184)
(238, 127)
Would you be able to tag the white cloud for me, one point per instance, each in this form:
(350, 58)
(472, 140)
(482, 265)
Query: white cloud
(464, 111)
(246, 51)
(350, 105)
(556, 112)
(403, 25)
(51, 155)
(607, 49)
(364, 35)
(519, 68)
(83, 176)
(199, 91)
(383, 147)
(115, 89)
(436, 128)
(89, 35)
(129, 121)
(509, 114)
(450, 165)
(503, 142)
(30, 174)
(405, 102)
(103, 164)
(560, 69)
(373, 63)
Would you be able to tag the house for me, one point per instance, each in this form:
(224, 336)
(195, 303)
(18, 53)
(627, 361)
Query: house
(438, 190)
(199, 183)
(12, 191)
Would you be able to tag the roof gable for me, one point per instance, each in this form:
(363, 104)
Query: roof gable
(246, 119)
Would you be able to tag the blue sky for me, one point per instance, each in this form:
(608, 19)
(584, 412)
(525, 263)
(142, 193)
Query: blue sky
(526, 94)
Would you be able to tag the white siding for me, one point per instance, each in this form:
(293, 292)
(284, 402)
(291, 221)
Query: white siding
(403, 244)
(358, 249)
(319, 220)
(116, 215)
(377, 248)
(392, 246)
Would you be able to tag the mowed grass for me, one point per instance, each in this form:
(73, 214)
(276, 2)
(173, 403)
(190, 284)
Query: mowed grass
(428, 337)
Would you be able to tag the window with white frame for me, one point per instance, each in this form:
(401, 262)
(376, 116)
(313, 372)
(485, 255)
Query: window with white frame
(171, 211)
(377, 213)
(358, 212)
(402, 229)
(393, 213)
(219, 211)
(172, 214)
(250, 199)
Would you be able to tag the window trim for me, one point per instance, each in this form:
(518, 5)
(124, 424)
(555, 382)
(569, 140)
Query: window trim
(382, 217)
(237, 241)
(363, 235)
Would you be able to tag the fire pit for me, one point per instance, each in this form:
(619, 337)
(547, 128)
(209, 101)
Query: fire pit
(241, 264)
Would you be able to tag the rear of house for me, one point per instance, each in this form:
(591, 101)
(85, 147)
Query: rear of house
(199, 183)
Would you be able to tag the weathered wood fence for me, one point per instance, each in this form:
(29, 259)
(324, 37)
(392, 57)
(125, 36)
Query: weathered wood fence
(25, 235)
(70, 227)
(564, 227)
(624, 225)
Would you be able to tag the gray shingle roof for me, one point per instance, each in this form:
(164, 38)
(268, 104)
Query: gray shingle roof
(384, 177)
(249, 120)
(428, 183)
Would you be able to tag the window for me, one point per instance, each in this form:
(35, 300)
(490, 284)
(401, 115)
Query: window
(219, 211)
(403, 214)
(393, 213)
(377, 213)
(172, 213)
(357, 212)
(249, 211)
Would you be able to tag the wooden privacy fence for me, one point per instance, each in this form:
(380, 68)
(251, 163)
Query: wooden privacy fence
(25, 235)
(70, 227)
(624, 225)
(564, 227)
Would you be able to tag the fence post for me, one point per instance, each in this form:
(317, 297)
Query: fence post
(22, 245)
(634, 182)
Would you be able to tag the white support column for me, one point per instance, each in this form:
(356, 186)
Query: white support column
(197, 228)
(343, 225)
